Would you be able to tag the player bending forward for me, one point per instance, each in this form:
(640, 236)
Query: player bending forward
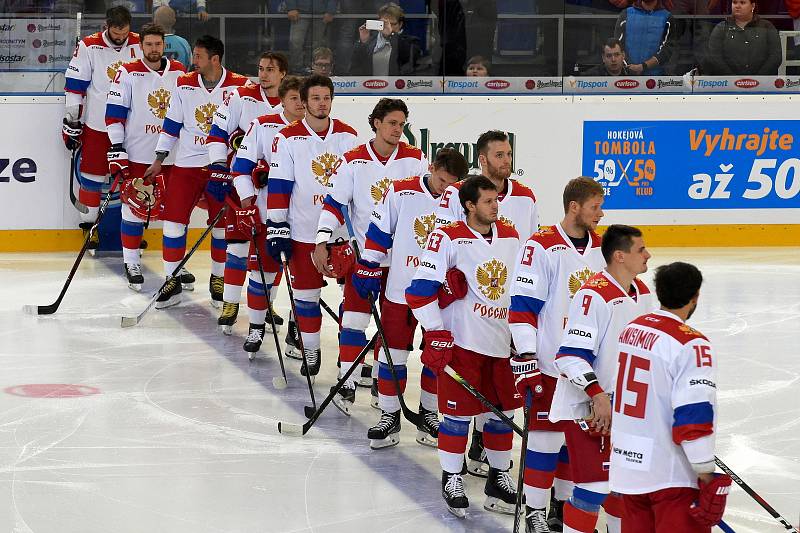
(587, 362)
(472, 336)
(550, 269)
(402, 223)
(664, 422)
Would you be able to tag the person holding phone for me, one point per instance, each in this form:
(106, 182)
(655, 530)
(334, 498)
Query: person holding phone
(386, 51)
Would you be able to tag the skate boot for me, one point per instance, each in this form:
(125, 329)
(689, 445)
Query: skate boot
(536, 520)
(386, 432)
(292, 344)
(314, 360)
(373, 399)
(477, 464)
(501, 493)
(366, 376)
(133, 272)
(345, 398)
(227, 319)
(555, 517)
(253, 341)
(216, 284)
(170, 295)
(275, 316)
(428, 428)
(94, 240)
(187, 279)
(454, 495)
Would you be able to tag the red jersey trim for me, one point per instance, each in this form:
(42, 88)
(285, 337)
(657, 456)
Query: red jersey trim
(457, 230)
(676, 329)
(405, 150)
(341, 127)
(518, 189)
(359, 152)
(271, 119)
(412, 183)
(253, 91)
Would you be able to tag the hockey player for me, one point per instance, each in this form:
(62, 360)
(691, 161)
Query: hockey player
(191, 108)
(550, 269)
(402, 223)
(517, 205)
(365, 175)
(88, 78)
(306, 158)
(664, 416)
(136, 107)
(472, 336)
(587, 364)
(250, 168)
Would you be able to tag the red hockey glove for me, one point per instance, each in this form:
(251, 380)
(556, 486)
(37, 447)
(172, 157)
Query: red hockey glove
(709, 509)
(260, 174)
(527, 376)
(438, 350)
(341, 259)
(454, 287)
(248, 221)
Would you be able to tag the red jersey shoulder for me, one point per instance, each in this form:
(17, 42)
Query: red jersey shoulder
(604, 287)
(95, 39)
(405, 150)
(233, 79)
(505, 230)
(252, 91)
(519, 189)
(133, 38)
(457, 230)
(641, 286)
(342, 127)
(683, 333)
(359, 152)
(408, 184)
(188, 78)
(295, 129)
(595, 239)
(547, 237)
(176, 66)
(275, 118)
(137, 65)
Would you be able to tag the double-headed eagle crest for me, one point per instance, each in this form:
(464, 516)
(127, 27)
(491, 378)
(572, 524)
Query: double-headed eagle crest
(492, 277)
(577, 279)
(423, 226)
(378, 189)
(159, 102)
(324, 166)
(507, 221)
(111, 70)
(689, 330)
(204, 115)
(597, 283)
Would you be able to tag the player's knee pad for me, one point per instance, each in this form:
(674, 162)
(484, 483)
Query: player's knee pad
(545, 441)
(308, 295)
(354, 320)
(91, 182)
(399, 357)
(269, 277)
(174, 230)
(128, 216)
(589, 497)
(238, 249)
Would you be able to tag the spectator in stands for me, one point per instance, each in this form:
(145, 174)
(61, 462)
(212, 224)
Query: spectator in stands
(185, 6)
(175, 46)
(305, 15)
(322, 61)
(645, 31)
(347, 29)
(388, 52)
(744, 43)
(478, 66)
(613, 57)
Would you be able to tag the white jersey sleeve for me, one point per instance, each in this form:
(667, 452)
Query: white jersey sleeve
(247, 157)
(118, 106)
(340, 197)
(78, 76)
(281, 180)
(382, 227)
(422, 294)
(589, 316)
(224, 123)
(530, 290)
(694, 400)
(449, 209)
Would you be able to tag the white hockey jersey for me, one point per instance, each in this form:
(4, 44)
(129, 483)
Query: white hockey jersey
(548, 273)
(664, 405)
(479, 321)
(597, 314)
(90, 72)
(256, 145)
(189, 116)
(302, 171)
(137, 105)
(402, 223)
(517, 207)
(234, 116)
(361, 183)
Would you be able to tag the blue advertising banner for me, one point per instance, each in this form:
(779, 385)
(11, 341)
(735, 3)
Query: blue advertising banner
(694, 164)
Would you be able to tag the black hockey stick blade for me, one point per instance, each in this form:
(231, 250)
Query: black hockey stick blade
(309, 411)
(75, 202)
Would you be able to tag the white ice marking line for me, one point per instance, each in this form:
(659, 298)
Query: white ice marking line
(305, 489)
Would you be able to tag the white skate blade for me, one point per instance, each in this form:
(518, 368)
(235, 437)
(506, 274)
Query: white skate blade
(251, 356)
(373, 402)
(364, 382)
(291, 430)
(187, 286)
(135, 287)
(477, 468)
(225, 329)
(175, 300)
(426, 440)
(279, 383)
(291, 353)
(391, 440)
(216, 304)
(496, 505)
(30, 309)
(457, 512)
(341, 405)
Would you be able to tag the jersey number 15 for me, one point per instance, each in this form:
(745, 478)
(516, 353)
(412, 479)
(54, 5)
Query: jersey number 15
(626, 381)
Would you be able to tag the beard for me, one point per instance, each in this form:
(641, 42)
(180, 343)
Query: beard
(691, 312)
(155, 57)
(320, 115)
(497, 173)
(488, 220)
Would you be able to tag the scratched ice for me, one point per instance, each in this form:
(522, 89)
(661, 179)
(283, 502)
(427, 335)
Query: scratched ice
(182, 435)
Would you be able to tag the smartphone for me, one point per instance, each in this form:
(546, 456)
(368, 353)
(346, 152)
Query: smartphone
(375, 25)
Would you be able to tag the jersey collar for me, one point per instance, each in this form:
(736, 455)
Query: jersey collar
(569, 243)
(614, 281)
(374, 156)
(313, 133)
(110, 44)
(217, 86)
(668, 314)
(162, 74)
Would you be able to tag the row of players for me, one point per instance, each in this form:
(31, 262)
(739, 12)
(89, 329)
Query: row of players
(568, 300)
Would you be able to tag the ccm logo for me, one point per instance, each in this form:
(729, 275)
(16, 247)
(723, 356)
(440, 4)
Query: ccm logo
(626, 84)
(579, 333)
(746, 83)
(497, 84)
(376, 84)
(23, 170)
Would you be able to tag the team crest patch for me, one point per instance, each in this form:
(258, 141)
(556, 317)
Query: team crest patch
(159, 102)
(378, 189)
(492, 277)
(545, 230)
(689, 330)
(423, 226)
(597, 283)
(506, 221)
(111, 71)
(577, 279)
(324, 167)
(204, 115)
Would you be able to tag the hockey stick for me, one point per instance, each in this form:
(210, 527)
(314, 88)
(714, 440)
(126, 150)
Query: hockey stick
(53, 307)
(285, 263)
(753, 494)
(275, 381)
(522, 456)
(472, 390)
(328, 310)
(128, 321)
(410, 415)
(75, 202)
(725, 527)
(297, 430)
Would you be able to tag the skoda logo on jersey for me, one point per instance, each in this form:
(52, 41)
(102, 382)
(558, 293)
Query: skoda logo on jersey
(423, 226)
(492, 277)
(159, 102)
(378, 189)
(324, 167)
(204, 115)
(579, 333)
(577, 279)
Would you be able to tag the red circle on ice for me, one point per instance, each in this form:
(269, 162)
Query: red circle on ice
(52, 390)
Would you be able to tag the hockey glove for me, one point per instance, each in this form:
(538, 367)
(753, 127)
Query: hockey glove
(367, 279)
(279, 240)
(118, 161)
(454, 287)
(219, 181)
(248, 220)
(260, 174)
(340, 259)
(71, 133)
(527, 376)
(438, 350)
(709, 509)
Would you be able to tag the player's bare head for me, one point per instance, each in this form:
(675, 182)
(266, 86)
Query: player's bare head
(316, 94)
(164, 16)
(207, 53)
(272, 68)
(289, 93)
(494, 154)
(152, 42)
(478, 197)
(678, 285)
(583, 202)
(118, 24)
(448, 167)
(623, 246)
(388, 118)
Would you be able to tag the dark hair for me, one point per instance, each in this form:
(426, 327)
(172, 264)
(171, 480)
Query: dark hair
(151, 29)
(278, 58)
(581, 189)
(289, 83)
(471, 188)
(315, 80)
(213, 46)
(479, 59)
(482, 146)
(392, 10)
(451, 161)
(384, 107)
(618, 237)
(118, 17)
(677, 283)
(611, 42)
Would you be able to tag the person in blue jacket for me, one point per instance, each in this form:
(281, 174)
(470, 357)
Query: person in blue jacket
(646, 31)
